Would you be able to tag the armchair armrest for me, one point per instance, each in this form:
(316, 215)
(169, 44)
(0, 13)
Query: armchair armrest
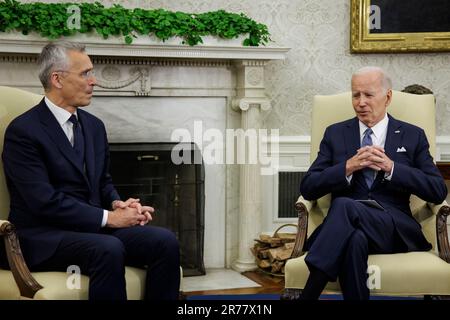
(28, 286)
(303, 208)
(442, 211)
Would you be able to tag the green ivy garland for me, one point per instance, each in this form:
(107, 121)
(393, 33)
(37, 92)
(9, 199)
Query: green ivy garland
(49, 20)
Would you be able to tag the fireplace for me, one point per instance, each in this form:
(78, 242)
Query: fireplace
(177, 192)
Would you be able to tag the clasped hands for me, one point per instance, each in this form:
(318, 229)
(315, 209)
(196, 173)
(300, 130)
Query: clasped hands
(373, 157)
(129, 213)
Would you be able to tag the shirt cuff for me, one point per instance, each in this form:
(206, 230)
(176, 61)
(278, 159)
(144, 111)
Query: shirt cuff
(349, 178)
(105, 218)
(388, 175)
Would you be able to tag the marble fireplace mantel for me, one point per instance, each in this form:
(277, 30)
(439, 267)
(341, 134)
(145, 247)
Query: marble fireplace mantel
(222, 70)
(212, 48)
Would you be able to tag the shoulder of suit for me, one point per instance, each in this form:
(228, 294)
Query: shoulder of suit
(342, 124)
(27, 116)
(406, 125)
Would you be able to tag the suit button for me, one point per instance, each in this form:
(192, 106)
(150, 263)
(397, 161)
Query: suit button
(369, 196)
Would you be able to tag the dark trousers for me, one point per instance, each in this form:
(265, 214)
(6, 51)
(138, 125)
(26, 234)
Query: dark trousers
(350, 232)
(103, 256)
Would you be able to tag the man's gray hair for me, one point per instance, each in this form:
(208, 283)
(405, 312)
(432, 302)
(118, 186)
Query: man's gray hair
(54, 57)
(386, 81)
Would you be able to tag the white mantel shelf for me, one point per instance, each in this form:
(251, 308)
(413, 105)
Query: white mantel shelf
(16, 43)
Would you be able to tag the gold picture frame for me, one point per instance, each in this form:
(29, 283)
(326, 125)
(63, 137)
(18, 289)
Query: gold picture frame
(363, 41)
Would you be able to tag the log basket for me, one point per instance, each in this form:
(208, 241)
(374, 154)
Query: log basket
(272, 252)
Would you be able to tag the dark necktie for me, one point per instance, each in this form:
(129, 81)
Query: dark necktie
(368, 173)
(78, 139)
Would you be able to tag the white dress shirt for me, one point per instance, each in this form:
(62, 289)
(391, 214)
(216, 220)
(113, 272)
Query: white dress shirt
(378, 136)
(62, 116)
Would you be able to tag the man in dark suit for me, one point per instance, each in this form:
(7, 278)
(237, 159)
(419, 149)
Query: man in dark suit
(63, 203)
(370, 157)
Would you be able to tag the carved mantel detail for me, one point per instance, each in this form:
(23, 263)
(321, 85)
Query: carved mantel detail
(243, 104)
(110, 78)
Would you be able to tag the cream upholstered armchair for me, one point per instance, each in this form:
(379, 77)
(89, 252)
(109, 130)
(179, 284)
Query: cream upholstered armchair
(402, 274)
(19, 282)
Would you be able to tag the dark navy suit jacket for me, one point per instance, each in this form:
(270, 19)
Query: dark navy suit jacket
(50, 191)
(414, 173)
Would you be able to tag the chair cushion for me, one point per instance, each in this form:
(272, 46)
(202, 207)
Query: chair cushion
(55, 288)
(402, 274)
(8, 287)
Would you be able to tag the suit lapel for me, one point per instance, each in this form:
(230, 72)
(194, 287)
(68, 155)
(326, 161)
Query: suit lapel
(351, 136)
(56, 133)
(88, 144)
(393, 138)
(352, 144)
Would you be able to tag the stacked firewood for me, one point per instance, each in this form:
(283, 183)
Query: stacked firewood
(272, 252)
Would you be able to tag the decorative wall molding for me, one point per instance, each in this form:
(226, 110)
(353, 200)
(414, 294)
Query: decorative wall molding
(299, 146)
(192, 63)
(160, 62)
(443, 148)
(254, 63)
(32, 58)
(18, 58)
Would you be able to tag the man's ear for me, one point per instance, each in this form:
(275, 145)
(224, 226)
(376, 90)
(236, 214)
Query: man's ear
(55, 79)
(388, 97)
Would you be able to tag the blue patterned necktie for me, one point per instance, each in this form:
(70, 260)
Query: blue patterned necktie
(368, 173)
(78, 139)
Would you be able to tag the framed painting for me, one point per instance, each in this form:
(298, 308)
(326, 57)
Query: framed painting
(400, 26)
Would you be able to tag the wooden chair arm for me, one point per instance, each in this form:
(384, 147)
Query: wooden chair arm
(442, 211)
(28, 286)
(303, 208)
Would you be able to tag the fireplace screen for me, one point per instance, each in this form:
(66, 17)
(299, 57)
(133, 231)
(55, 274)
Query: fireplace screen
(177, 192)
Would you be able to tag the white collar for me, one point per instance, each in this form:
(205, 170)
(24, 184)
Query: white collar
(378, 129)
(60, 114)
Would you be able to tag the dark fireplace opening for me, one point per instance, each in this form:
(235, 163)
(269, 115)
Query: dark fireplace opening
(177, 192)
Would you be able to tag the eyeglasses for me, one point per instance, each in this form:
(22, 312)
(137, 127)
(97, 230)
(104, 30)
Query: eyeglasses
(85, 74)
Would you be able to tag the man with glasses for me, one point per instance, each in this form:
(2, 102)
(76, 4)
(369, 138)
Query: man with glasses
(63, 203)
